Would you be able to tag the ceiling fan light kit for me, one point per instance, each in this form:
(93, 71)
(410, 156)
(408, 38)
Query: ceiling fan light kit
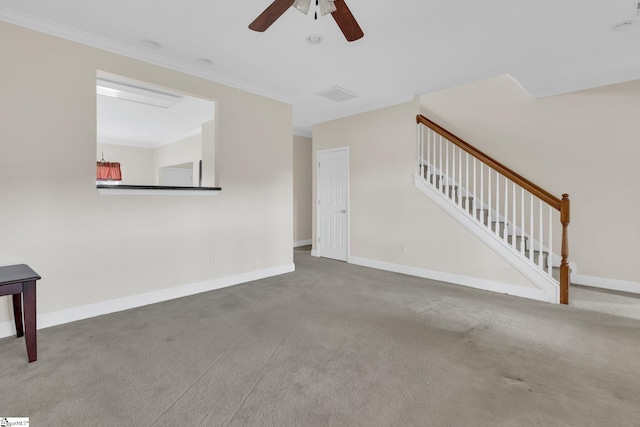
(326, 7)
(337, 8)
(302, 5)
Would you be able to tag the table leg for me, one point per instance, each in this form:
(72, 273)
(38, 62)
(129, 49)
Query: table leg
(17, 314)
(29, 297)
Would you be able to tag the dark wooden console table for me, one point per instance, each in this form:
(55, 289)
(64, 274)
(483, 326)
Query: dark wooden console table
(20, 281)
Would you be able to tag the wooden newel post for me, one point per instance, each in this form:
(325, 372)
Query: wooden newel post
(564, 265)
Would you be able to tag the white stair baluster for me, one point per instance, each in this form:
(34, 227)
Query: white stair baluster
(497, 204)
(506, 209)
(475, 190)
(420, 150)
(418, 138)
(490, 208)
(429, 162)
(522, 219)
(540, 219)
(459, 177)
(466, 186)
(515, 219)
(453, 172)
(481, 215)
(439, 182)
(418, 141)
(550, 241)
(446, 168)
(431, 148)
(531, 233)
(422, 158)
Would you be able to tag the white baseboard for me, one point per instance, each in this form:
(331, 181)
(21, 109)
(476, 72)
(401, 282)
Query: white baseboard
(302, 243)
(91, 310)
(484, 284)
(606, 283)
(314, 253)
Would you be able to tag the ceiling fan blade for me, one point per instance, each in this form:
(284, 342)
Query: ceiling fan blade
(346, 21)
(270, 15)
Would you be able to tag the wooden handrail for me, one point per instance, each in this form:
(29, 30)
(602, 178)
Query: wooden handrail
(523, 182)
(560, 205)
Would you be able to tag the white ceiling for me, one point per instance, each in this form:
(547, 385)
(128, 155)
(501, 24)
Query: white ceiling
(140, 125)
(410, 46)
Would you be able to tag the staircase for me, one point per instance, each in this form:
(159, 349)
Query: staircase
(519, 220)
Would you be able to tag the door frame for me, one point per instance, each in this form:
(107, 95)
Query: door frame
(347, 150)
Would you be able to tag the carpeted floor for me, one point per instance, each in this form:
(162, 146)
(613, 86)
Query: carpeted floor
(340, 345)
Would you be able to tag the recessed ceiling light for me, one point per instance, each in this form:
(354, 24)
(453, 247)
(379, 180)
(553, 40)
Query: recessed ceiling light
(150, 44)
(624, 26)
(204, 61)
(314, 39)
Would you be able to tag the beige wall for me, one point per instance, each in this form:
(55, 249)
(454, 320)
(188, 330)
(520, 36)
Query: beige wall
(387, 211)
(584, 144)
(187, 150)
(302, 203)
(141, 166)
(91, 248)
(209, 172)
(136, 163)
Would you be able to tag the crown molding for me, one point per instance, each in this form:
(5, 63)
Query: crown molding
(77, 36)
(390, 102)
(303, 131)
(592, 82)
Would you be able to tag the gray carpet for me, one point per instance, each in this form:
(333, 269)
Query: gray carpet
(332, 344)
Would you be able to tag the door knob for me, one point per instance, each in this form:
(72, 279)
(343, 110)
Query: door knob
(343, 211)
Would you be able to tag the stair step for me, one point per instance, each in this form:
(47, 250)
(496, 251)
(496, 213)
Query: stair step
(483, 215)
(435, 179)
(453, 192)
(467, 203)
(519, 241)
(536, 257)
(453, 189)
(500, 225)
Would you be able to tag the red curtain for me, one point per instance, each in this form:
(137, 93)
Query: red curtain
(108, 171)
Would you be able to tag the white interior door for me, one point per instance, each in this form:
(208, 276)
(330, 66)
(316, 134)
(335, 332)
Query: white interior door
(333, 196)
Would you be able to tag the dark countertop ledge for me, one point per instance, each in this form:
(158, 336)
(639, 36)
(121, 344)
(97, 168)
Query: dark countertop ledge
(156, 190)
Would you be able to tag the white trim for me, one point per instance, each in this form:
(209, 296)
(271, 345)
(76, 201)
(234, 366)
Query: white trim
(606, 283)
(72, 34)
(583, 84)
(111, 306)
(314, 253)
(303, 131)
(155, 192)
(364, 108)
(302, 243)
(472, 282)
(540, 279)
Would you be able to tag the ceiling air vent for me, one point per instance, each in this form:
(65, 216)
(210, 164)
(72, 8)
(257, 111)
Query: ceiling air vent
(337, 94)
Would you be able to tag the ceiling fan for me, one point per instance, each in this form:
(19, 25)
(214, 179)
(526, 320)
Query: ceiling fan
(337, 8)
